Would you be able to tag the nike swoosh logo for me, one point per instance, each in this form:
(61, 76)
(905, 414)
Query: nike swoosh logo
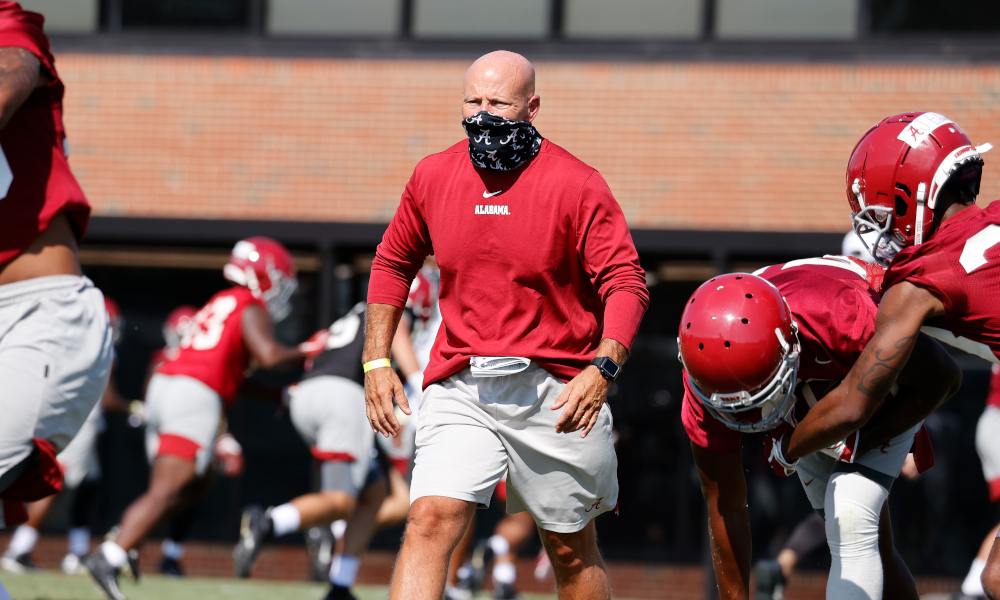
(822, 362)
(488, 195)
(808, 482)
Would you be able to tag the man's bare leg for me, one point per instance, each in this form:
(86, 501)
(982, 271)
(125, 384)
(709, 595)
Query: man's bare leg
(395, 508)
(360, 527)
(361, 523)
(899, 584)
(991, 574)
(510, 535)
(973, 584)
(577, 564)
(166, 493)
(435, 526)
(323, 508)
(460, 552)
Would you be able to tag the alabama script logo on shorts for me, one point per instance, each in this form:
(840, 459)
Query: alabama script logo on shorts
(595, 505)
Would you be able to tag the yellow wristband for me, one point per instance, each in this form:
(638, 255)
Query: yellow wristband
(378, 363)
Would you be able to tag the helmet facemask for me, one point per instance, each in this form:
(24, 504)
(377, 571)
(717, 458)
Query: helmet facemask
(878, 220)
(773, 401)
(278, 296)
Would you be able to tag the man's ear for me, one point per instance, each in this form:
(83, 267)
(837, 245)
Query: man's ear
(534, 103)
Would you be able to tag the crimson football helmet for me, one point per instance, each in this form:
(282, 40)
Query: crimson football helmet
(266, 268)
(896, 173)
(115, 319)
(177, 323)
(739, 346)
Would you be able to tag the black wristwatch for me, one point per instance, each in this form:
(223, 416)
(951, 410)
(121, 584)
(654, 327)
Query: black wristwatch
(609, 369)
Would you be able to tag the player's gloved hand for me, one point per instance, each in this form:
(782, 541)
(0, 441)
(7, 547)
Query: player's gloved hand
(228, 455)
(845, 451)
(315, 344)
(775, 458)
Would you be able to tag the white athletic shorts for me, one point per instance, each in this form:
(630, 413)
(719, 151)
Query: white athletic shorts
(55, 360)
(882, 465)
(182, 419)
(988, 446)
(329, 413)
(474, 430)
(79, 459)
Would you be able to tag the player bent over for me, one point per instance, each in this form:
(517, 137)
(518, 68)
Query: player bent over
(328, 410)
(751, 346)
(541, 297)
(188, 393)
(55, 341)
(912, 182)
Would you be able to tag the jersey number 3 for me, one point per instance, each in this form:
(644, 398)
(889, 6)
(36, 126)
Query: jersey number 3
(974, 252)
(207, 326)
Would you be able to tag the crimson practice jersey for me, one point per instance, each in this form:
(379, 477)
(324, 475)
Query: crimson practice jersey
(960, 265)
(212, 349)
(537, 262)
(36, 183)
(834, 305)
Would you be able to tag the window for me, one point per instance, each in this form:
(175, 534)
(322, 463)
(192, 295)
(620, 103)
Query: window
(184, 14)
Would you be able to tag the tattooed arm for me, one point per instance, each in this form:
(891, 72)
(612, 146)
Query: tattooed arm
(903, 309)
(20, 73)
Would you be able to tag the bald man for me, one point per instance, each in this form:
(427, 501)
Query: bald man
(541, 296)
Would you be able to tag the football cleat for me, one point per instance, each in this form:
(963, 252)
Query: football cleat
(17, 564)
(71, 565)
(482, 557)
(132, 566)
(319, 543)
(255, 527)
(770, 580)
(504, 591)
(103, 574)
(339, 592)
(171, 566)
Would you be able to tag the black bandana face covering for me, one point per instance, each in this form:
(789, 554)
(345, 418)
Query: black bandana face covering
(499, 144)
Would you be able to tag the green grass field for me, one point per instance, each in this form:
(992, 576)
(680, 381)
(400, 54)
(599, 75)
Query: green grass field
(53, 585)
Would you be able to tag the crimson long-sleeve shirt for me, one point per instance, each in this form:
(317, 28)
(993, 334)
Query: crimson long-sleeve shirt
(537, 262)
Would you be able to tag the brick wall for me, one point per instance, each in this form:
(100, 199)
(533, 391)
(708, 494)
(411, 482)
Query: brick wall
(683, 145)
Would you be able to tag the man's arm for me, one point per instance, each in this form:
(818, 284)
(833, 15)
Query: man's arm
(930, 378)
(382, 384)
(903, 310)
(725, 492)
(586, 393)
(258, 336)
(20, 73)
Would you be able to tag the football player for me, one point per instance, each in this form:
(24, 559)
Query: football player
(912, 181)
(81, 472)
(55, 340)
(758, 351)
(172, 547)
(189, 392)
(327, 408)
(988, 448)
(810, 533)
